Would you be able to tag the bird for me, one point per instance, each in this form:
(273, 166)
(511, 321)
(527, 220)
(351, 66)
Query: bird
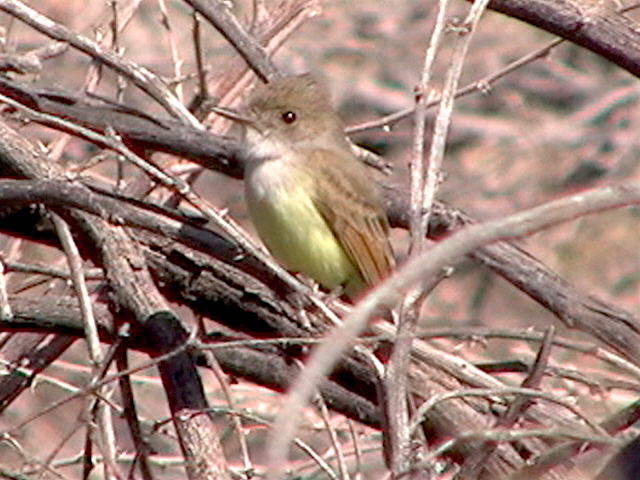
(314, 204)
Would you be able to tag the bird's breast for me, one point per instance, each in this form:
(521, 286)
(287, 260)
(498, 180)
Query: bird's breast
(280, 196)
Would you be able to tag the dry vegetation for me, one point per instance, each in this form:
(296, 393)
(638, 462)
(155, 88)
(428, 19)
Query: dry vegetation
(559, 125)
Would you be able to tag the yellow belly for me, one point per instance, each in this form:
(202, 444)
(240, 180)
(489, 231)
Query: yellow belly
(298, 237)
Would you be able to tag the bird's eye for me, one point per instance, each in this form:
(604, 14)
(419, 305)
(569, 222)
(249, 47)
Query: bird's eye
(289, 117)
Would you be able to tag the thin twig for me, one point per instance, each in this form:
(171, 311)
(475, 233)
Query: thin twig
(500, 392)
(321, 406)
(473, 464)
(105, 422)
(396, 381)
(586, 348)
(5, 308)
(218, 12)
(141, 77)
(417, 227)
(235, 419)
(482, 85)
(501, 435)
(443, 117)
(165, 21)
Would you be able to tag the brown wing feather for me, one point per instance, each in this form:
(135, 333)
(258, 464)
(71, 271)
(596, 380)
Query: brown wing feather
(352, 208)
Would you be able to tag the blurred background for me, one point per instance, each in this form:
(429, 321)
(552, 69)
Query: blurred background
(556, 126)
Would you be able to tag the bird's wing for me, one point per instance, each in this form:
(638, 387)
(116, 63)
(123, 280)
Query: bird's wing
(351, 206)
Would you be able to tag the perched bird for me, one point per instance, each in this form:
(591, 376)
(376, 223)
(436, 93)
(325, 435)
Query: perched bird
(314, 204)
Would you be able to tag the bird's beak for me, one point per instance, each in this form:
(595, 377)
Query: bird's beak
(234, 115)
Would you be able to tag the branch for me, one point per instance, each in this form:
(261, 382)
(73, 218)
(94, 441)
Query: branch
(596, 26)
